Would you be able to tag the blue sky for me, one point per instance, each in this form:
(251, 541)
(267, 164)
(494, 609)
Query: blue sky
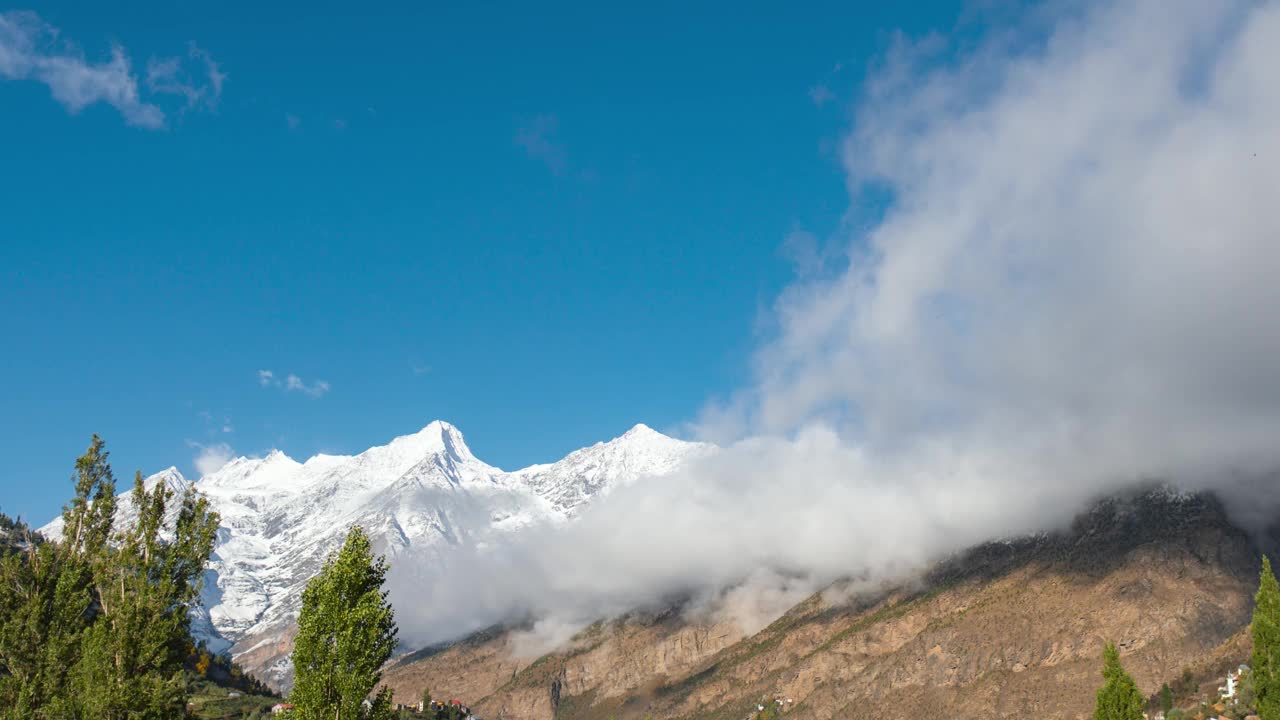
(544, 225)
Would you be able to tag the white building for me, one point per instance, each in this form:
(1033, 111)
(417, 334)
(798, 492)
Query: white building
(1233, 682)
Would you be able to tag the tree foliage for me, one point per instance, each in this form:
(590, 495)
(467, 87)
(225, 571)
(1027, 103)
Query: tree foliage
(1265, 664)
(95, 625)
(1118, 698)
(1166, 698)
(346, 632)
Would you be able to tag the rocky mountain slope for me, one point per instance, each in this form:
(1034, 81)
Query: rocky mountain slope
(418, 494)
(1011, 629)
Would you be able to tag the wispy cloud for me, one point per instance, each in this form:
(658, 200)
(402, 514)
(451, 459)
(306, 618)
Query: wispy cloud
(293, 383)
(821, 95)
(32, 49)
(214, 425)
(537, 138)
(210, 458)
(201, 88)
(316, 389)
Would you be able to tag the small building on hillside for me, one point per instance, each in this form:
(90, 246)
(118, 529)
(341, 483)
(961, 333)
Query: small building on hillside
(1232, 686)
(280, 708)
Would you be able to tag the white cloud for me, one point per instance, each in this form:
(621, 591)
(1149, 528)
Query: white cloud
(210, 458)
(31, 49)
(293, 383)
(1071, 292)
(537, 138)
(316, 389)
(173, 76)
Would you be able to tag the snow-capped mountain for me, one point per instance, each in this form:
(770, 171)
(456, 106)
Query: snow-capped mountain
(591, 471)
(415, 496)
(126, 513)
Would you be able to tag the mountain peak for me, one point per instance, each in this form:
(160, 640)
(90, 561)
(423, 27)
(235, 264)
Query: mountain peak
(643, 436)
(438, 437)
(640, 430)
(171, 477)
(417, 493)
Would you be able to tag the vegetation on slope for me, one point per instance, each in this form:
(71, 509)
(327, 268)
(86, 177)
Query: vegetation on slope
(96, 624)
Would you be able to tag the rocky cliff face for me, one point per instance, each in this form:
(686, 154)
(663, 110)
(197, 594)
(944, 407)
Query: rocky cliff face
(1009, 629)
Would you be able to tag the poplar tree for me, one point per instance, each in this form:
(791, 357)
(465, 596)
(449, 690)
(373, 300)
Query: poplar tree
(94, 625)
(346, 632)
(46, 599)
(1118, 698)
(1265, 629)
(145, 584)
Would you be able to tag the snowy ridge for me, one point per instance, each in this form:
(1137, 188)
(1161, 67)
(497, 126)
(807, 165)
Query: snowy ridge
(418, 494)
(586, 473)
(126, 513)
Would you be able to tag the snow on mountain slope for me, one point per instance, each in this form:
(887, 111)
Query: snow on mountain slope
(126, 513)
(415, 496)
(586, 473)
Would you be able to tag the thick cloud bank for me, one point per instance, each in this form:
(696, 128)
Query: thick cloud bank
(1073, 288)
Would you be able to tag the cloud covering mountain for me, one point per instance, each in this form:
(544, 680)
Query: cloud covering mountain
(1070, 290)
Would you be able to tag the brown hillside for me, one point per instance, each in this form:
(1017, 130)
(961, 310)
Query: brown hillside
(1006, 630)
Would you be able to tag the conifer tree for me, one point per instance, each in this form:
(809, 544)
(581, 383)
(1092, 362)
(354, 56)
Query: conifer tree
(1265, 664)
(1118, 698)
(145, 584)
(346, 631)
(1166, 698)
(46, 597)
(44, 605)
(95, 624)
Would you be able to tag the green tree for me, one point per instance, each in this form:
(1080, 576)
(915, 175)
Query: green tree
(94, 624)
(346, 632)
(1118, 698)
(46, 599)
(426, 699)
(44, 607)
(1166, 699)
(145, 583)
(1265, 664)
(1246, 700)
